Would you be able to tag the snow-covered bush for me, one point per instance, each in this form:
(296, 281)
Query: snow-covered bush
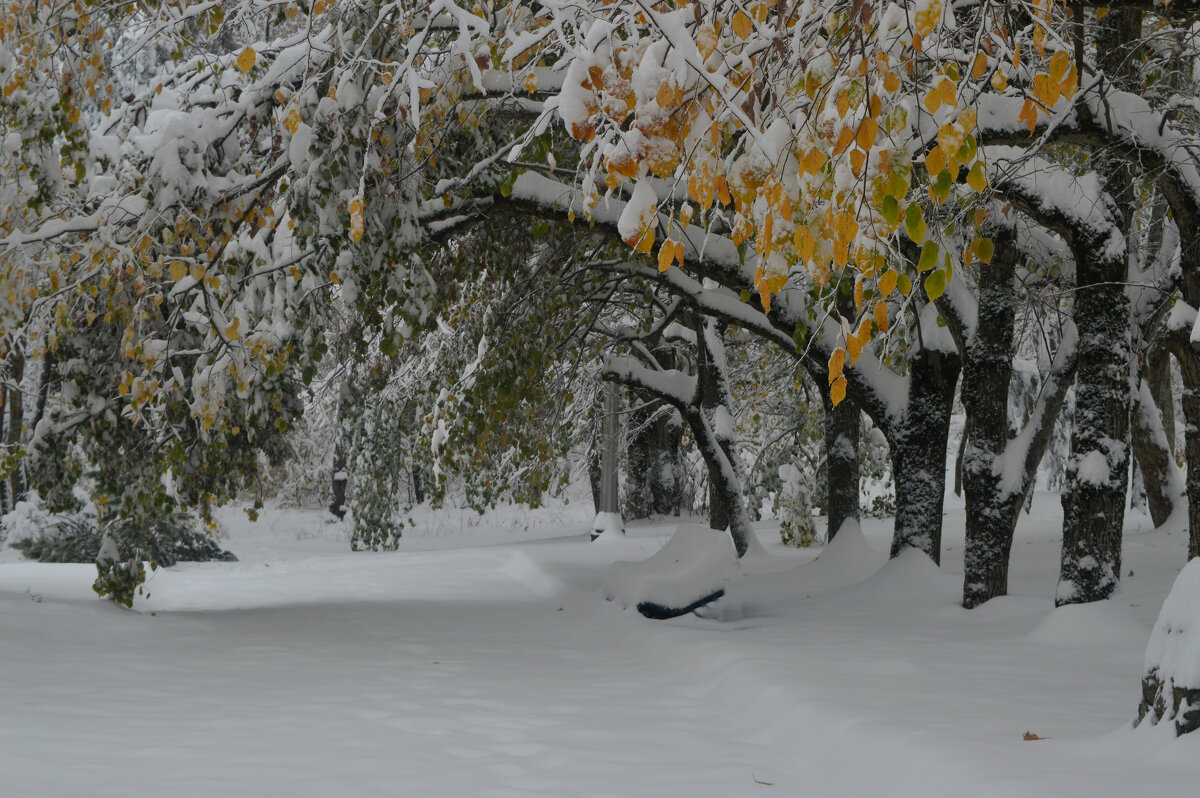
(80, 536)
(793, 507)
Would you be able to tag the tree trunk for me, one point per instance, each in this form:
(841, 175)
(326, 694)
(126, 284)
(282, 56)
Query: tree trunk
(14, 410)
(918, 451)
(1189, 367)
(992, 507)
(1098, 471)
(653, 462)
(726, 504)
(842, 426)
(1152, 452)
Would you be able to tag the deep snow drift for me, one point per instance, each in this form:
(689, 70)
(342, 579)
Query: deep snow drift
(452, 668)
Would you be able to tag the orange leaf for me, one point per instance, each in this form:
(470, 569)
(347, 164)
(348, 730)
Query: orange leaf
(837, 391)
(887, 283)
(979, 69)
(1029, 115)
(666, 254)
(881, 316)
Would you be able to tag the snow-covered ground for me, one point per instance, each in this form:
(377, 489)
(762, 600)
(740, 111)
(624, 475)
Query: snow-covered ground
(470, 664)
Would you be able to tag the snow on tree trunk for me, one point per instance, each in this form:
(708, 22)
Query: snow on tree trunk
(1189, 367)
(991, 509)
(1152, 453)
(918, 444)
(842, 425)
(998, 469)
(1171, 677)
(726, 504)
(1098, 471)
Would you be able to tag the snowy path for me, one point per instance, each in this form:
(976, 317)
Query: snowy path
(500, 672)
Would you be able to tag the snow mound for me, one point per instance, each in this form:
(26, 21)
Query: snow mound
(690, 570)
(1171, 680)
(910, 577)
(1094, 624)
(849, 557)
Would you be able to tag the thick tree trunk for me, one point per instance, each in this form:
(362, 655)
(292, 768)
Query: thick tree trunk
(1098, 471)
(992, 507)
(918, 444)
(842, 426)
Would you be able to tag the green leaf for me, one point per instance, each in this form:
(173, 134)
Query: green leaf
(935, 284)
(929, 256)
(890, 209)
(941, 186)
(914, 222)
(904, 284)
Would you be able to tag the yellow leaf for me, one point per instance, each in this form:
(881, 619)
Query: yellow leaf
(666, 96)
(679, 252)
(645, 244)
(197, 271)
(867, 132)
(177, 270)
(814, 160)
(1060, 64)
(933, 101)
(531, 82)
(976, 178)
(666, 254)
(979, 69)
(935, 161)
(356, 219)
(858, 160)
(999, 80)
(837, 391)
(837, 363)
(247, 59)
(891, 82)
(742, 26)
(843, 140)
(231, 332)
(853, 349)
(887, 283)
(881, 316)
(863, 333)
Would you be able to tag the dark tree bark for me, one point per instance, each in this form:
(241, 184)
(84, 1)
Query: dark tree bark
(842, 427)
(998, 470)
(1098, 471)
(918, 451)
